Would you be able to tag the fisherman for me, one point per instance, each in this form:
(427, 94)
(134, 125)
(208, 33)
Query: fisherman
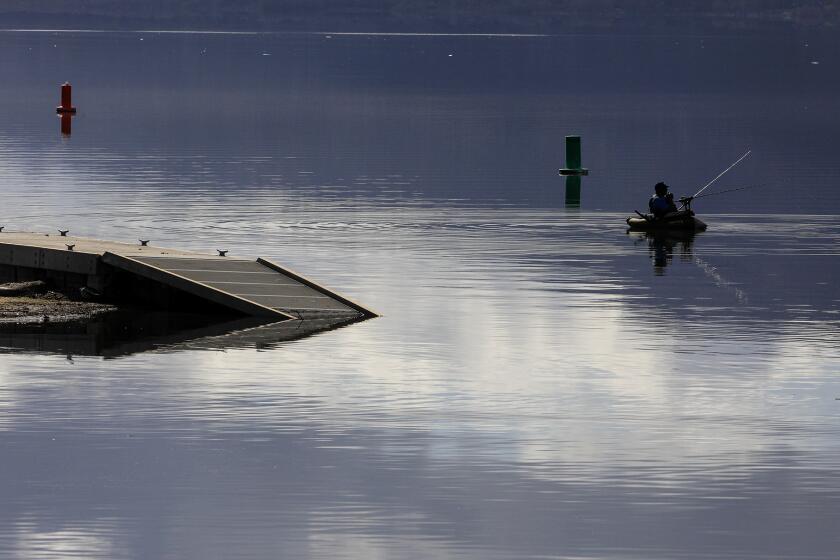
(662, 202)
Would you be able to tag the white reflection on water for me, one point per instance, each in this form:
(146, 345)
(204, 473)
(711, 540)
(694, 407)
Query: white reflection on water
(69, 542)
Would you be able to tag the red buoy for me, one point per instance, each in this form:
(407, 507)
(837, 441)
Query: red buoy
(66, 102)
(66, 124)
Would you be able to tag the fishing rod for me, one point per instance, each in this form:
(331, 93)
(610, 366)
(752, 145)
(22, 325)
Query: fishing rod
(722, 173)
(686, 200)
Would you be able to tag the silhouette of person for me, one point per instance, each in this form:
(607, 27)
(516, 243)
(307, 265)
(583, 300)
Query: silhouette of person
(662, 201)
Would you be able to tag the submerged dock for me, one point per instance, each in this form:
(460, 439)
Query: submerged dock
(169, 279)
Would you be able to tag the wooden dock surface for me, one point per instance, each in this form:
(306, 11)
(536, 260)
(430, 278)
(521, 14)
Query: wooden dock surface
(251, 287)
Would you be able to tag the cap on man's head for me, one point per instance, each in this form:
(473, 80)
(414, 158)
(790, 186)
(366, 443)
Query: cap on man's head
(660, 188)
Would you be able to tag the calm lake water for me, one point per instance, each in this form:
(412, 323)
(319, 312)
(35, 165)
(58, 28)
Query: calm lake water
(541, 384)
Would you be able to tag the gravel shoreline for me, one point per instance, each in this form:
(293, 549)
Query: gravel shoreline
(28, 303)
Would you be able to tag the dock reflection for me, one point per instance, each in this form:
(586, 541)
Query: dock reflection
(129, 332)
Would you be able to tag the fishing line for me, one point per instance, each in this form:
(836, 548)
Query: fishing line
(722, 173)
(733, 190)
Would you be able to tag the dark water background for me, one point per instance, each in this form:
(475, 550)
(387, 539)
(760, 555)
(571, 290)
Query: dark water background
(541, 383)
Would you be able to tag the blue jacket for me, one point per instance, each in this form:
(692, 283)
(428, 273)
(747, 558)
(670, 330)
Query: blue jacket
(661, 205)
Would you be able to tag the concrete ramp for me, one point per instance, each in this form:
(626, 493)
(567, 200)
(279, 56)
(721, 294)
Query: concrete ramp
(258, 288)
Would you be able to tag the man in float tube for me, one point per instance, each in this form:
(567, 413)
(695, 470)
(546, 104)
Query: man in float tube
(662, 202)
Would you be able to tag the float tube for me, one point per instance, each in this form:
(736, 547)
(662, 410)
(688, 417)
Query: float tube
(683, 220)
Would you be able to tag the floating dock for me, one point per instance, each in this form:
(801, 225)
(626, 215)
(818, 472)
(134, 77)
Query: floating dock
(170, 279)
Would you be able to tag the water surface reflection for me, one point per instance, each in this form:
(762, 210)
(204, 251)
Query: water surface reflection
(539, 384)
(543, 378)
(126, 332)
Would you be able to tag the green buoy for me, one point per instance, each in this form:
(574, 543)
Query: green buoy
(573, 191)
(573, 161)
(573, 171)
